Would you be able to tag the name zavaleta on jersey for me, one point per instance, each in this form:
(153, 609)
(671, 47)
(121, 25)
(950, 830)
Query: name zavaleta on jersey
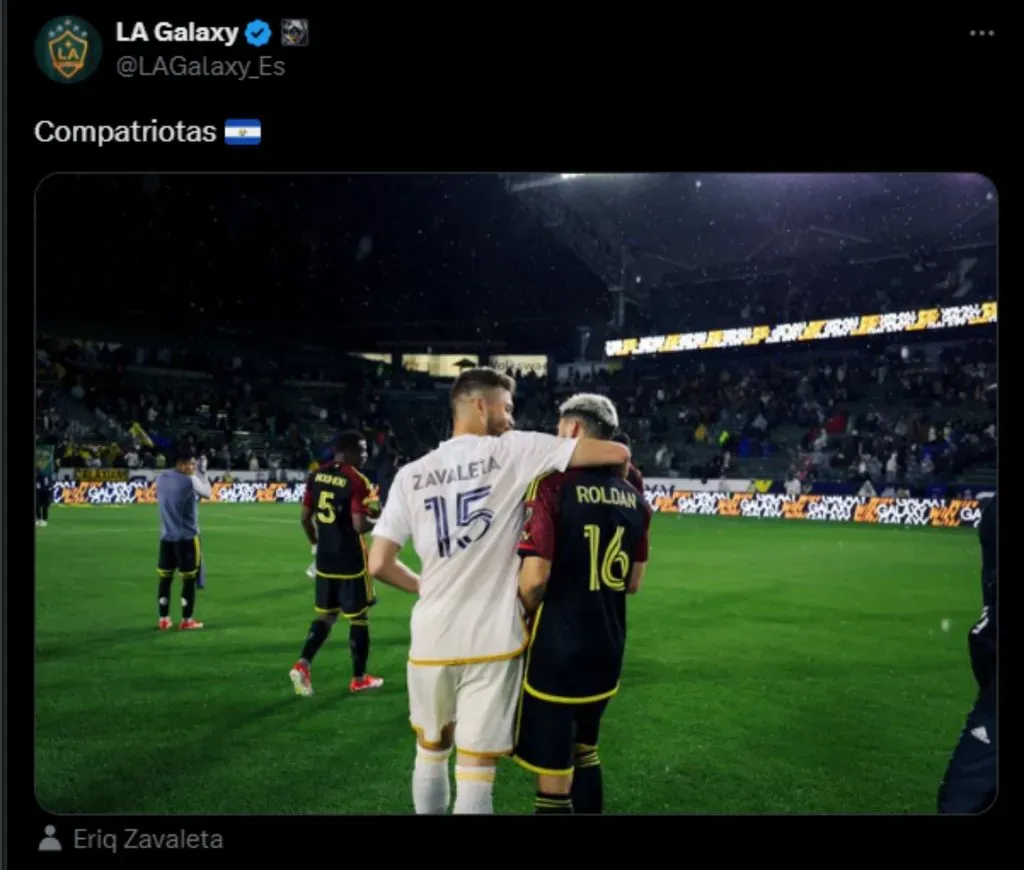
(593, 527)
(462, 505)
(335, 493)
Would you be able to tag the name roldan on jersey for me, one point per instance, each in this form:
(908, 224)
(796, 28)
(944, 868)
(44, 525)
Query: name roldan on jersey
(442, 476)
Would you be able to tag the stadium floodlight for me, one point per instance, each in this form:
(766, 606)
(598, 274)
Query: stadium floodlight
(566, 176)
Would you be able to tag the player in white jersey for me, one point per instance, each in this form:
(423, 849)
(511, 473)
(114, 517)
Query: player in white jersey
(462, 506)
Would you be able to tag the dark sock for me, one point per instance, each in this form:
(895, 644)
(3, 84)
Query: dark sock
(587, 783)
(318, 633)
(188, 597)
(163, 595)
(552, 804)
(46, 512)
(359, 644)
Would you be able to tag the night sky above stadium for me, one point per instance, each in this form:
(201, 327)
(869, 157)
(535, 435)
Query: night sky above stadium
(308, 250)
(457, 257)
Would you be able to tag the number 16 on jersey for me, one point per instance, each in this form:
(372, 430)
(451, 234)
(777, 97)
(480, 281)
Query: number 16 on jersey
(470, 525)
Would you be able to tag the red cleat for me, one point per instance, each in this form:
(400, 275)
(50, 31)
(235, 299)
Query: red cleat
(365, 683)
(189, 625)
(301, 680)
(164, 624)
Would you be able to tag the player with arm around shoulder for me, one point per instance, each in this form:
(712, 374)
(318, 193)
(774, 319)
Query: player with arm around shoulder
(584, 548)
(340, 505)
(462, 507)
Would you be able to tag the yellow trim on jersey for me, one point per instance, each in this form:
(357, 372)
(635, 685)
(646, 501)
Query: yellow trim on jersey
(522, 688)
(544, 696)
(559, 699)
(531, 490)
(476, 660)
(358, 576)
(362, 477)
(473, 753)
(356, 615)
(370, 591)
(434, 745)
(483, 774)
(542, 771)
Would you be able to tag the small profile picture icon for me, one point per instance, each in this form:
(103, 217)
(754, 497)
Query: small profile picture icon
(294, 31)
(49, 842)
(68, 49)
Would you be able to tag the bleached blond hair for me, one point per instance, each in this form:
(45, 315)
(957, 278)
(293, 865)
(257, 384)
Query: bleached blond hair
(594, 408)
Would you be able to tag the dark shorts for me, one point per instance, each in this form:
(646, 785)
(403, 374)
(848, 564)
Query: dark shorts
(969, 785)
(350, 598)
(549, 733)
(183, 556)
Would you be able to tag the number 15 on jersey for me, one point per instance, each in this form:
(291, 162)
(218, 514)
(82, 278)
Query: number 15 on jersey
(470, 524)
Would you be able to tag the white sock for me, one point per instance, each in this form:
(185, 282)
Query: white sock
(474, 791)
(431, 791)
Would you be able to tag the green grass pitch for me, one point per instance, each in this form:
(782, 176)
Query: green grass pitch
(772, 667)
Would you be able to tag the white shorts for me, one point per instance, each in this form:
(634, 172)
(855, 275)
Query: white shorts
(480, 699)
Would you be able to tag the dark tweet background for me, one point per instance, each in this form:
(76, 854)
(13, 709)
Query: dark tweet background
(480, 88)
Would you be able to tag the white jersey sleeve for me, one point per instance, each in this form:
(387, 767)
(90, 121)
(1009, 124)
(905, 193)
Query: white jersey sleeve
(532, 454)
(395, 523)
(201, 486)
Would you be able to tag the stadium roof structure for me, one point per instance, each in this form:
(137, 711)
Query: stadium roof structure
(642, 229)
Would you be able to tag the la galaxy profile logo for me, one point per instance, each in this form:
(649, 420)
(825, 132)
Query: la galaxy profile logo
(68, 49)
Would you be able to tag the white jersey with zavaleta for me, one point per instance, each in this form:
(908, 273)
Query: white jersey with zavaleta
(462, 505)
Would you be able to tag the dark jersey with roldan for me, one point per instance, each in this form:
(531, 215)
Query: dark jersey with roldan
(983, 639)
(335, 493)
(593, 527)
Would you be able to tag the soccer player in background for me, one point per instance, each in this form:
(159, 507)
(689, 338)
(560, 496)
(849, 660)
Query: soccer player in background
(462, 506)
(633, 475)
(44, 496)
(969, 785)
(177, 493)
(202, 464)
(340, 505)
(584, 549)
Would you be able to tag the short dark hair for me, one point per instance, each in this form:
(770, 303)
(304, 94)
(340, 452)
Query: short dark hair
(348, 441)
(476, 380)
(622, 438)
(184, 452)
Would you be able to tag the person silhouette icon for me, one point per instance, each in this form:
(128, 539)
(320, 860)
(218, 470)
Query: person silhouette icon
(50, 843)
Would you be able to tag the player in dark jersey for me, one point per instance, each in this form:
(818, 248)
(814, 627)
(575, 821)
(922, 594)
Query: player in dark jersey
(44, 496)
(969, 785)
(584, 548)
(339, 507)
